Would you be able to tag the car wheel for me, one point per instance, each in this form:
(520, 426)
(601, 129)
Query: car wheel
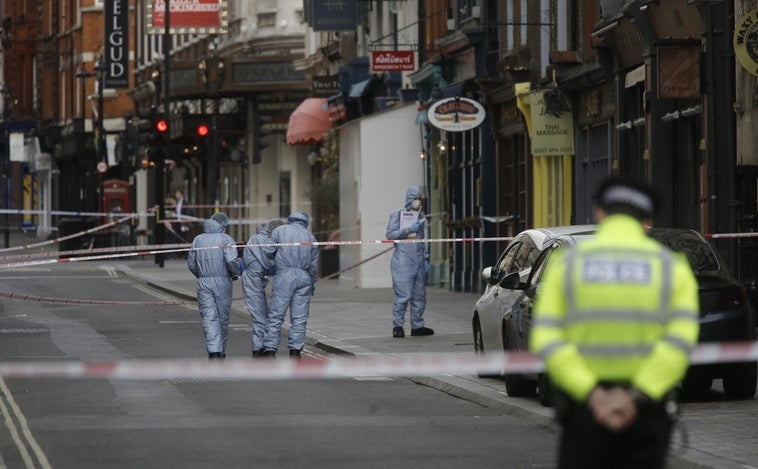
(479, 346)
(740, 380)
(544, 390)
(519, 386)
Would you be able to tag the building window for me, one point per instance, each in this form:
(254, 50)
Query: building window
(266, 20)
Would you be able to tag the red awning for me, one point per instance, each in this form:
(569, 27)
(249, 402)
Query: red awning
(309, 123)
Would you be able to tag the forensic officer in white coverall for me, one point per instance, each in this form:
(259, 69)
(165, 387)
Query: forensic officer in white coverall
(259, 265)
(294, 283)
(213, 261)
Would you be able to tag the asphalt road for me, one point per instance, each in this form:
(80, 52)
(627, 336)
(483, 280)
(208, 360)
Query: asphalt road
(365, 422)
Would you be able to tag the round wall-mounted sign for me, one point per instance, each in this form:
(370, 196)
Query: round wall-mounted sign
(456, 114)
(745, 42)
(102, 167)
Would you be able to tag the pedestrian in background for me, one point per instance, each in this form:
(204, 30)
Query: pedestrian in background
(294, 283)
(615, 321)
(409, 265)
(259, 265)
(212, 259)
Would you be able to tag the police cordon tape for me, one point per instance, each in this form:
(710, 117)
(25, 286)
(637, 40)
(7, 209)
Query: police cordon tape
(136, 251)
(331, 368)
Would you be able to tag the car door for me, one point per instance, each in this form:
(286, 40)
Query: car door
(522, 262)
(488, 305)
(521, 315)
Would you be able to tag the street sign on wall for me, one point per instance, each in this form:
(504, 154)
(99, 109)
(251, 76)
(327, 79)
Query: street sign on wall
(188, 16)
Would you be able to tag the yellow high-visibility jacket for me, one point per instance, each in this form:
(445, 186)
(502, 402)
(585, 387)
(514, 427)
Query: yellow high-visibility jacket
(617, 308)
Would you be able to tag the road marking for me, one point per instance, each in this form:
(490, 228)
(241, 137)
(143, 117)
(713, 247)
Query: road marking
(162, 297)
(372, 378)
(109, 269)
(25, 431)
(14, 316)
(26, 330)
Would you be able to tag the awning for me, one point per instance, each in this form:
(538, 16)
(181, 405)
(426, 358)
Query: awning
(309, 123)
(357, 90)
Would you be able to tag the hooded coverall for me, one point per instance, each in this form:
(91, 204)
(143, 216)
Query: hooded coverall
(213, 261)
(409, 266)
(254, 281)
(294, 283)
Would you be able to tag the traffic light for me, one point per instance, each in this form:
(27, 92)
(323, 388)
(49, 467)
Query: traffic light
(158, 138)
(202, 130)
(260, 131)
(160, 129)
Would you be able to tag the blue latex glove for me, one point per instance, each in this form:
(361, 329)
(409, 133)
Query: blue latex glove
(426, 267)
(271, 271)
(414, 227)
(313, 289)
(242, 265)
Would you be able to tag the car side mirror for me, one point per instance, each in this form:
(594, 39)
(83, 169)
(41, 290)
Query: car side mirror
(487, 275)
(511, 281)
(531, 292)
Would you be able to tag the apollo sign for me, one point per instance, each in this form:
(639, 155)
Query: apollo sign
(116, 44)
(456, 114)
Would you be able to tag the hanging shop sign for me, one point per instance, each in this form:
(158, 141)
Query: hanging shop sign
(745, 42)
(393, 61)
(188, 16)
(678, 67)
(456, 114)
(329, 15)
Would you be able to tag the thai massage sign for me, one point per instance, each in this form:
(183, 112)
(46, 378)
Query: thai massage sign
(552, 127)
(746, 42)
(456, 114)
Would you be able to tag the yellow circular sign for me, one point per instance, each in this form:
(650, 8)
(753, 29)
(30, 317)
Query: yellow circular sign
(745, 42)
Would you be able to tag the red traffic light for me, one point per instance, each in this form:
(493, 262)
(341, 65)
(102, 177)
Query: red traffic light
(202, 130)
(161, 126)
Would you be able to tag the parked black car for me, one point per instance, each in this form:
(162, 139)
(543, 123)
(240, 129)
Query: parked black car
(726, 315)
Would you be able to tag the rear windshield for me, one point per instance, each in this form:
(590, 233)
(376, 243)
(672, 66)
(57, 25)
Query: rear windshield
(699, 252)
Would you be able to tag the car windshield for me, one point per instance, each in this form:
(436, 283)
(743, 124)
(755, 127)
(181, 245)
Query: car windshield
(699, 253)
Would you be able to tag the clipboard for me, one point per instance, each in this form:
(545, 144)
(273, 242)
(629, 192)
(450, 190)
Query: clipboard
(407, 218)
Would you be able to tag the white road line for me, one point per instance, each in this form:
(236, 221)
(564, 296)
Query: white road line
(162, 297)
(14, 316)
(109, 269)
(34, 446)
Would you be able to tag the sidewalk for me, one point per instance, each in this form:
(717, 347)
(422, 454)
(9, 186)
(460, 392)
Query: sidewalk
(358, 322)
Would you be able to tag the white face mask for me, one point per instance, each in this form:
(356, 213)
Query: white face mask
(415, 204)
